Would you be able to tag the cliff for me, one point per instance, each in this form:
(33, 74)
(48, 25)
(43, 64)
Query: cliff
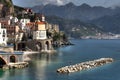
(6, 8)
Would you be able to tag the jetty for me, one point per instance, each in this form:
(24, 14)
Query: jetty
(10, 59)
(17, 65)
(85, 65)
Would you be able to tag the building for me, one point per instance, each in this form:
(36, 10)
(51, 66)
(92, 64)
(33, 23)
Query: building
(3, 36)
(40, 31)
(33, 36)
(40, 41)
(23, 23)
(52, 28)
(10, 23)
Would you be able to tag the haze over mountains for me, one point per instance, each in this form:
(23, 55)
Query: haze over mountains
(83, 12)
(105, 18)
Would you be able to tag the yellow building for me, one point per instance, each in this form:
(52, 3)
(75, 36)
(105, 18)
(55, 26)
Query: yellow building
(40, 31)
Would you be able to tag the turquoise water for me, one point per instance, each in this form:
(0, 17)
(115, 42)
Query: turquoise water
(43, 67)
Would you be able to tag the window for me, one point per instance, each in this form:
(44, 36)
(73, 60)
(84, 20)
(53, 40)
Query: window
(3, 32)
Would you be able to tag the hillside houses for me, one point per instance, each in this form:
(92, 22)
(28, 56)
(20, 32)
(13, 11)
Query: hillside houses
(20, 31)
(3, 36)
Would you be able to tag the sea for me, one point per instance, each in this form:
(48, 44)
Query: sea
(44, 66)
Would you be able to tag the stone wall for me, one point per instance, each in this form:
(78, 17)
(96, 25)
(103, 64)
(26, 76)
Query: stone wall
(39, 45)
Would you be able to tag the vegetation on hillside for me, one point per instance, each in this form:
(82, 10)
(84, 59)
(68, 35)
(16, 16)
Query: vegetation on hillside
(109, 23)
(74, 28)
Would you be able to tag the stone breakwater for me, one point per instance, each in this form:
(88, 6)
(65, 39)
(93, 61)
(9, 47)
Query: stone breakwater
(85, 65)
(15, 65)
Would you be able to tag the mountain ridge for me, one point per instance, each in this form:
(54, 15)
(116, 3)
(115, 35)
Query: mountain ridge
(105, 18)
(82, 12)
(109, 23)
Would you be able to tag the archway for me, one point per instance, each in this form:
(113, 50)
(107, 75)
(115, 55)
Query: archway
(2, 62)
(47, 45)
(12, 59)
(39, 46)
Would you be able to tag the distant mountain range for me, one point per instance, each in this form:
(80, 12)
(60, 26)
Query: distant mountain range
(109, 23)
(107, 19)
(83, 12)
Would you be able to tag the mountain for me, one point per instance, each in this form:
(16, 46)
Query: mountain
(107, 19)
(83, 12)
(6, 8)
(75, 28)
(109, 23)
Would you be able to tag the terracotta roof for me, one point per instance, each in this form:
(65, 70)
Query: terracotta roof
(40, 22)
(31, 23)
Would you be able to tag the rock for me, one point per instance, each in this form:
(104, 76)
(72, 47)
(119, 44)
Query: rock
(85, 65)
(18, 65)
(5, 67)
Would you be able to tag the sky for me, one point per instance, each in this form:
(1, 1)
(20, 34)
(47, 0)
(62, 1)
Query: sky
(31, 3)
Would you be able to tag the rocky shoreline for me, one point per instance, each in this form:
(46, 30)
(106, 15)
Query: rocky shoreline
(18, 65)
(85, 65)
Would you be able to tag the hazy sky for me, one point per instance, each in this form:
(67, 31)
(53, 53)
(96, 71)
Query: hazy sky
(29, 3)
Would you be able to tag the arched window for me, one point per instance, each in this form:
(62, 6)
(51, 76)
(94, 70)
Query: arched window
(12, 59)
(47, 45)
(39, 46)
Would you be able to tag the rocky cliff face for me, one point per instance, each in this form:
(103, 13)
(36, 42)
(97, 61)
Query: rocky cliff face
(6, 8)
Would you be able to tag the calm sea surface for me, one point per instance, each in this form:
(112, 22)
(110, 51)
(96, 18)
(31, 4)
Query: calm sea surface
(43, 67)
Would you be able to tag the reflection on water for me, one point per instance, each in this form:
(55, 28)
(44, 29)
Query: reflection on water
(1, 73)
(44, 66)
(40, 64)
(37, 69)
(43, 57)
(4, 74)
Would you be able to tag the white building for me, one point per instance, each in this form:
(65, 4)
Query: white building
(3, 36)
(23, 23)
(14, 19)
(40, 29)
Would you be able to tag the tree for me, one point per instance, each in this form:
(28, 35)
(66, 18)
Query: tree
(56, 36)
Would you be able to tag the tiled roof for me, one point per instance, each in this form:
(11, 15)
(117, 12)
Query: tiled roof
(40, 22)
